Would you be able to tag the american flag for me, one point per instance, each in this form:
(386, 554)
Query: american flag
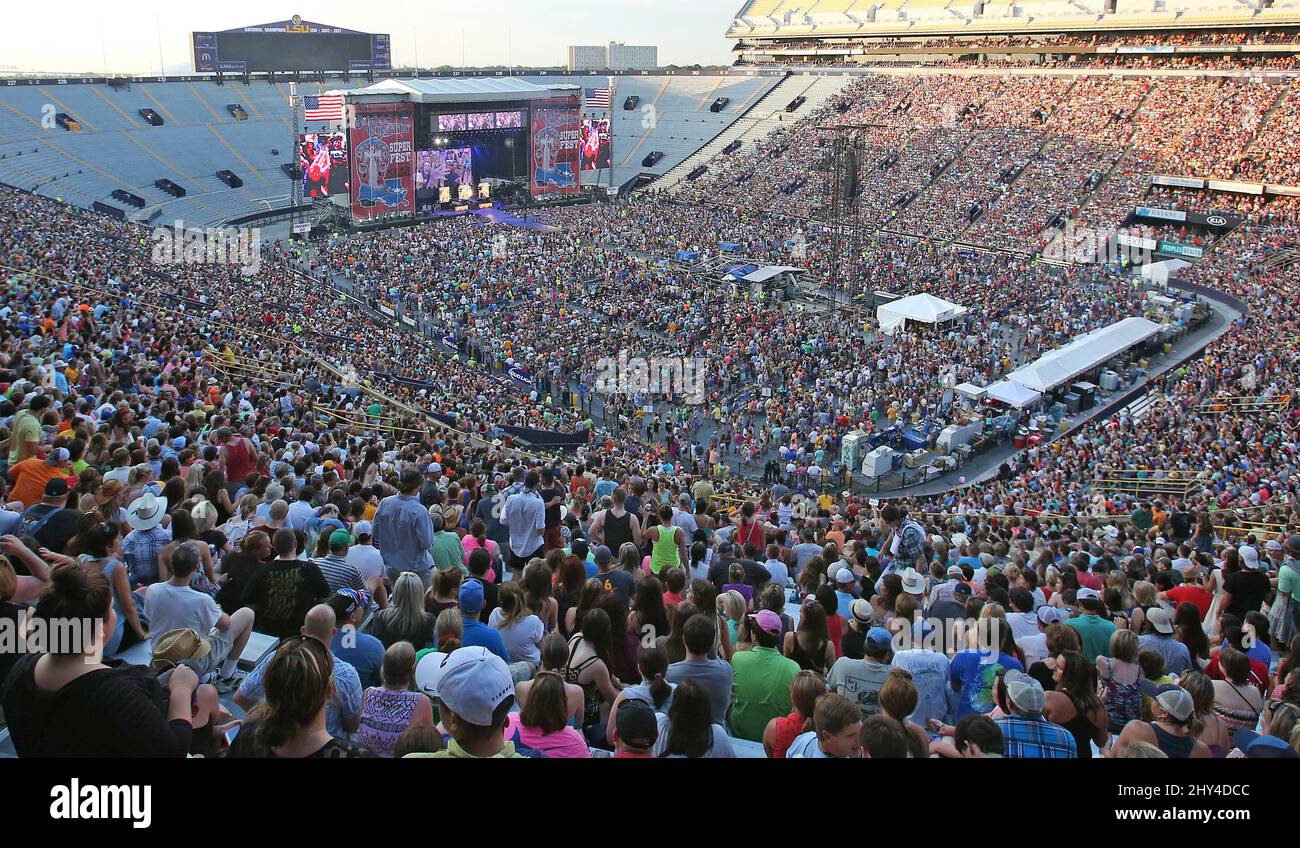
(597, 98)
(327, 107)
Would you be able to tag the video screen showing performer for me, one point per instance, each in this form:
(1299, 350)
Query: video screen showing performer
(452, 167)
(597, 144)
(323, 162)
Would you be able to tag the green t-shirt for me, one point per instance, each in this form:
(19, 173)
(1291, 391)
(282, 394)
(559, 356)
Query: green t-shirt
(447, 551)
(1288, 579)
(1142, 519)
(1094, 632)
(760, 690)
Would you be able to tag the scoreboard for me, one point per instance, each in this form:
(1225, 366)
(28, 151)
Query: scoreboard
(292, 45)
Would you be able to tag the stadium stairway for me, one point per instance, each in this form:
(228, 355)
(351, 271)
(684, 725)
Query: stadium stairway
(761, 118)
(1087, 199)
(997, 198)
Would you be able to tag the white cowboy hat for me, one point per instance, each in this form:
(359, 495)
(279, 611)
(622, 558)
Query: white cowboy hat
(146, 512)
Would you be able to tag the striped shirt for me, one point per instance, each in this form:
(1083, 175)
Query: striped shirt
(339, 573)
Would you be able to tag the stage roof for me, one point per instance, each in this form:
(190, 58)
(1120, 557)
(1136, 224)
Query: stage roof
(469, 90)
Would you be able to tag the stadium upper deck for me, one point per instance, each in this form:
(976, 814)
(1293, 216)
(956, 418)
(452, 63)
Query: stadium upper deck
(861, 31)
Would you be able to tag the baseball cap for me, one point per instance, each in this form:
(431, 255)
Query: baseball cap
(363, 528)
(475, 684)
(861, 611)
(636, 723)
(1249, 556)
(1177, 702)
(1026, 692)
(961, 589)
(356, 598)
(471, 597)
(767, 620)
(955, 571)
(433, 468)
(1048, 614)
(844, 576)
(1273, 545)
(1293, 543)
(1084, 593)
(429, 670)
(56, 487)
(1159, 619)
(340, 538)
(603, 555)
(881, 637)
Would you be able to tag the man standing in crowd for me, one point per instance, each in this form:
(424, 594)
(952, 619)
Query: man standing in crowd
(525, 516)
(403, 531)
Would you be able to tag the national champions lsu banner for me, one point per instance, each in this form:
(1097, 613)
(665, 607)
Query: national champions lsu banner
(382, 138)
(557, 146)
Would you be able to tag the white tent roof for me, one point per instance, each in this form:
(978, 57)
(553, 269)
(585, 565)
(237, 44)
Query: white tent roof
(970, 390)
(767, 272)
(461, 90)
(1013, 394)
(1083, 354)
(925, 308)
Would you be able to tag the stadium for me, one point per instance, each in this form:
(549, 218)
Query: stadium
(920, 383)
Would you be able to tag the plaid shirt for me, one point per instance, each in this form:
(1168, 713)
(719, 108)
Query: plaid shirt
(911, 543)
(140, 549)
(1026, 736)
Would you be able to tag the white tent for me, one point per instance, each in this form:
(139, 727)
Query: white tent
(923, 308)
(1013, 395)
(971, 391)
(1083, 354)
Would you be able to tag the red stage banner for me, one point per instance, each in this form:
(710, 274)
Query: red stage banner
(557, 146)
(382, 137)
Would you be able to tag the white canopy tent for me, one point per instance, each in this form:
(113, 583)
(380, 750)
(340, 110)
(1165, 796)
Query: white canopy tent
(970, 391)
(1083, 354)
(922, 308)
(1013, 395)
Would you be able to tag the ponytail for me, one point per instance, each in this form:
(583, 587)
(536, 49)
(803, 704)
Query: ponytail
(299, 680)
(653, 664)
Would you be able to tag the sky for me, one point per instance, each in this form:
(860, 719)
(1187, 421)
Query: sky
(75, 36)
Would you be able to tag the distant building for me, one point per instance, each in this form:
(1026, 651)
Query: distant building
(613, 56)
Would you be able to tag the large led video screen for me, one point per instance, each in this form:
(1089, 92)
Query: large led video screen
(323, 163)
(597, 144)
(445, 166)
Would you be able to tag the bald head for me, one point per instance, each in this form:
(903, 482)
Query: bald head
(320, 623)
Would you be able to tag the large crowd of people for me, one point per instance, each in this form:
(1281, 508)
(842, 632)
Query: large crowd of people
(195, 458)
